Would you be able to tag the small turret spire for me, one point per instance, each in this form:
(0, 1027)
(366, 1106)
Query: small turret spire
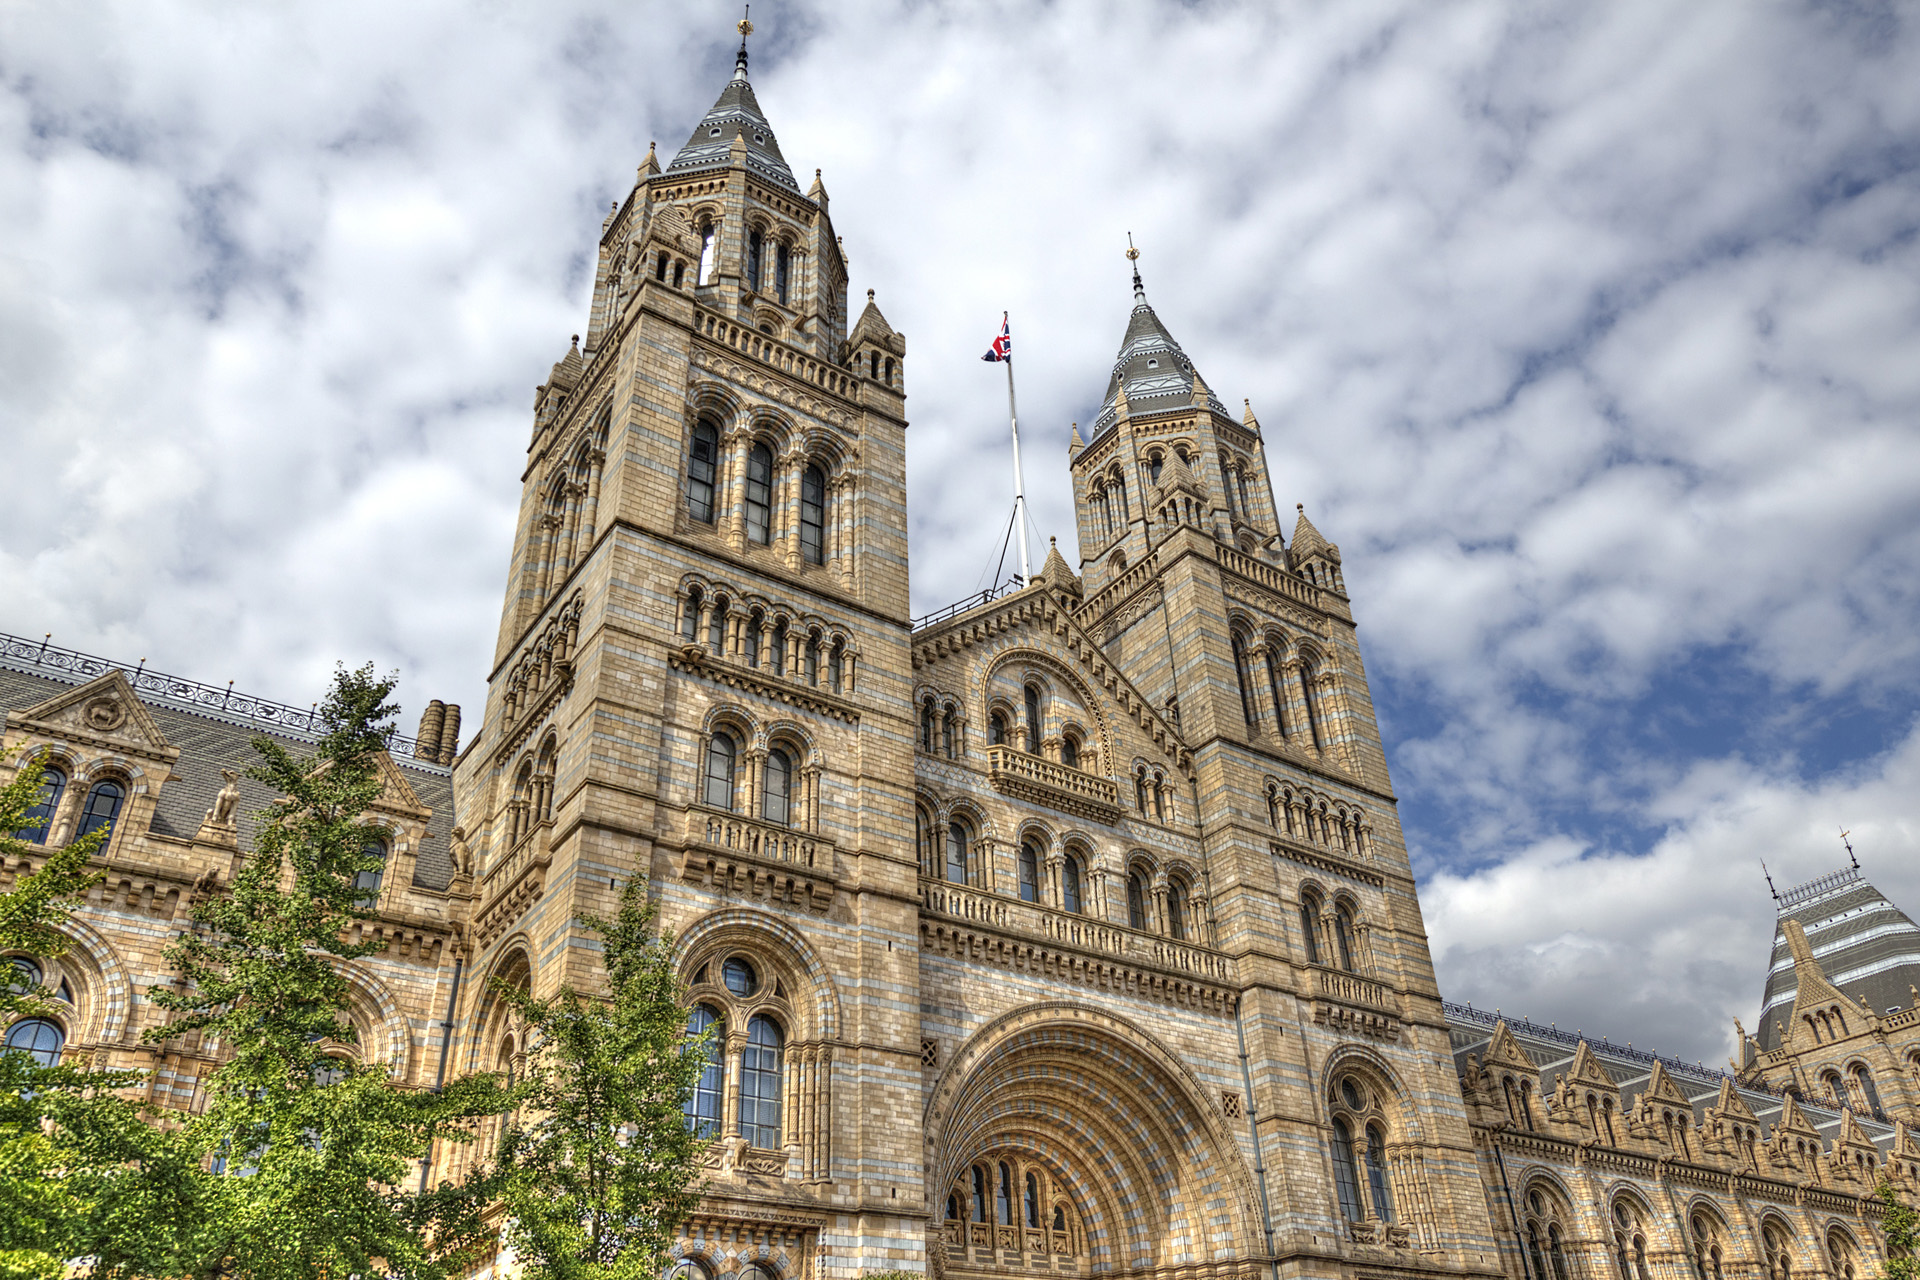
(745, 28)
(1133, 256)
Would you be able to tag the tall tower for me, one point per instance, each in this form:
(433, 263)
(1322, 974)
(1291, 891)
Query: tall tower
(700, 681)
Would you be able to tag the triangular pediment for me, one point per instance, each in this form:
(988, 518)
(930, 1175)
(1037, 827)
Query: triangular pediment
(1793, 1120)
(1504, 1051)
(1660, 1087)
(104, 711)
(1588, 1070)
(395, 791)
(1851, 1134)
(1731, 1106)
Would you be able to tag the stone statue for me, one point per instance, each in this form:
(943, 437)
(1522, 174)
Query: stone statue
(221, 815)
(462, 852)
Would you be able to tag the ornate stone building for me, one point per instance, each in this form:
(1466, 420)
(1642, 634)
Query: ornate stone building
(1068, 930)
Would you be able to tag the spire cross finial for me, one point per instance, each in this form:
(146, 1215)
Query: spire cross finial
(1133, 256)
(745, 28)
(1850, 858)
(1769, 875)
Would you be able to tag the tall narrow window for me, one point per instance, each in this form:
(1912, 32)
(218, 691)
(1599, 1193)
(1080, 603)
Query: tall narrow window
(753, 639)
(813, 516)
(781, 267)
(660, 268)
(719, 772)
(1120, 491)
(756, 245)
(1377, 1175)
(717, 627)
(1868, 1093)
(367, 880)
(1029, 872)
(760, 494)
(979, 1194)
(1140, 791)
(947, 732)
(1177, 911)
(1310, 927)
(760, 1085)
(102, 807)
(703, 1108)
(997, 729)
(835, 668)
(926, 726)
(1070, 751)
(39, 819)
(1279, 698)
(1343, 936)
(956, 852)
(1070, 884)
(708, 245)
(779, 790)
(1033, 1202)
(701, 460)
(1003, 1196)
(1246, 688)
(1345, 1180)
(1136, 900)
(1033, 720)
(1313, 709)
(777, 651)
(1154, 465)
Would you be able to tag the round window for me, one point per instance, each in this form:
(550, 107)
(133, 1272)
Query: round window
(1351, 1095)
(714, 132)
(739, 977)
(26, 974)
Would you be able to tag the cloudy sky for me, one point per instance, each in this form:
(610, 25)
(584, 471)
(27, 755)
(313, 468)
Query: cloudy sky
(1591, 333)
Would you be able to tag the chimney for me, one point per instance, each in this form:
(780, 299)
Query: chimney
(432, 721)
(449, 739)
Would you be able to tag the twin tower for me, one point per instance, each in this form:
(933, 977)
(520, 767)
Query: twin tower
(1072, 932)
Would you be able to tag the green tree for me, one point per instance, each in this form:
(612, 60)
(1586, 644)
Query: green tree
(1901, 1225)
(308, 1155)
(39, 1198)
(598, 1176)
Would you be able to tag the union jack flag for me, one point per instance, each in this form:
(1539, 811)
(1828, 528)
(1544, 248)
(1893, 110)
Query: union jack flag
(1002, 348)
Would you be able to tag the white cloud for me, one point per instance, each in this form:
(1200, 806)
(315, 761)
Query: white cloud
(1586, 332)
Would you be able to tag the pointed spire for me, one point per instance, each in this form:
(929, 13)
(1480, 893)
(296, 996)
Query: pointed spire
(1306, 538)
(649, 166)
(1073, 441)
(1247, 419)
(818, 192)
(1139, 290)
(745, 28)
(735, 115)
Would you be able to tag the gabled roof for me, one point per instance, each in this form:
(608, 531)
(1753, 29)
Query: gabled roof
(1152, 374)
(735, 114)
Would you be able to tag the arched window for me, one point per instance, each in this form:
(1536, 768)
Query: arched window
(756, 245)
(689, 1269)
(660, 268)
(778, 804)
(708, 245)
(1307, 677)
(1708, 1252)
(953, 1208)
(1377, 1177)
(889, 375)
(781, 265)
(1136, 900)
(753, 638)
(1033, 1202)
(1003, 1196)
(703, 1108)
(1310, 926)
(1070, 884)
(1247, 709)
(813, 516)
(1070, 750)
(979, 1194)
(39, 1038)
(39, 819)
(679, 274)
(997, 729)
(717, 627)
(1155, 461)
(1034, 725)
(1140, 790)
(777, 651)
(103, 806)
(1029, 872)
(1343, 935)
(690, 617)
(836, 667)
(760, 494)
(702, 456)
(1060, 1218)
(926, 725)
(1845, 1260)
(1177, 910)
(1344, 1179)
(366, 881)
(719, 772)
(760, 1085)
(1778, 1254)
(1869, 1094)
(947, 731)
(957, 838)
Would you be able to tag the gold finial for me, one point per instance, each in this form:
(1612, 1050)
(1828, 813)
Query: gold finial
(744, 26)
(1133, 254)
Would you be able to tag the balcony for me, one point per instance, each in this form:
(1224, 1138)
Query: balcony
(1035, 778)
(732, 853)
(1351, 1003)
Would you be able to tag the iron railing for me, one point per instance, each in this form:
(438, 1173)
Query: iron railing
(44, 655)
(973, 601)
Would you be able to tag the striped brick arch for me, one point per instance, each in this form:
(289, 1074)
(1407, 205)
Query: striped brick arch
(1158, 1183)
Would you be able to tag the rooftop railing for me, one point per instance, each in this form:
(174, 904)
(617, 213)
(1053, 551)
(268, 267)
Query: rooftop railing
(973, 601)
(213, 699)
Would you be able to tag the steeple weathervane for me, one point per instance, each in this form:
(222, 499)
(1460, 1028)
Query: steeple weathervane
(745, 28)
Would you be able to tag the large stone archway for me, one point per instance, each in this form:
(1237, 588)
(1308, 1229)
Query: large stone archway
(1116, 1122)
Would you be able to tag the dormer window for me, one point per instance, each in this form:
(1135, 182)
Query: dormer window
(714, 132)
(1153, 364)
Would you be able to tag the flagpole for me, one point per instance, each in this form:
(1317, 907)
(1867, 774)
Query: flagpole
(1019, 482)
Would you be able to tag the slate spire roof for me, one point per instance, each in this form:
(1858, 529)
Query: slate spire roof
(1151, 371)
(736, 114)
(1860, 942)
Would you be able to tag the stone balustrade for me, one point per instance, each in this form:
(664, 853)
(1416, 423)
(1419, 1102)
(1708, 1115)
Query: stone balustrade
(1058, 786)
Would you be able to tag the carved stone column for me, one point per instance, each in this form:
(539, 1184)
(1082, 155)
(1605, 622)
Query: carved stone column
(730, 1107)
(733, 515)
(810, 779)
(545, 545)
(596, 463)
(755, 772)
(1302, 735)
(1260, 674)
(1052, 885)
(1158, 890)
(703, 626)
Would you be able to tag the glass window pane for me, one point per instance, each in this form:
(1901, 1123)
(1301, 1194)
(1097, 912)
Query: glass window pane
(956, 853)
(779, 790)
(102, 807)
(760, 494)
(1029, 873)
(1377, 1174)
(813, 516)
(1344, 1180)
(703, 1108)
(719, 772)
(1070, 884)
(760, 1085)
(701, 461)
(39, 1038)
(368, 881)
(53, 784)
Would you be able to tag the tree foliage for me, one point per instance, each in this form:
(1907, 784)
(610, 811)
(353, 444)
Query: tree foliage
(1902, 1225)
(600, 1168)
